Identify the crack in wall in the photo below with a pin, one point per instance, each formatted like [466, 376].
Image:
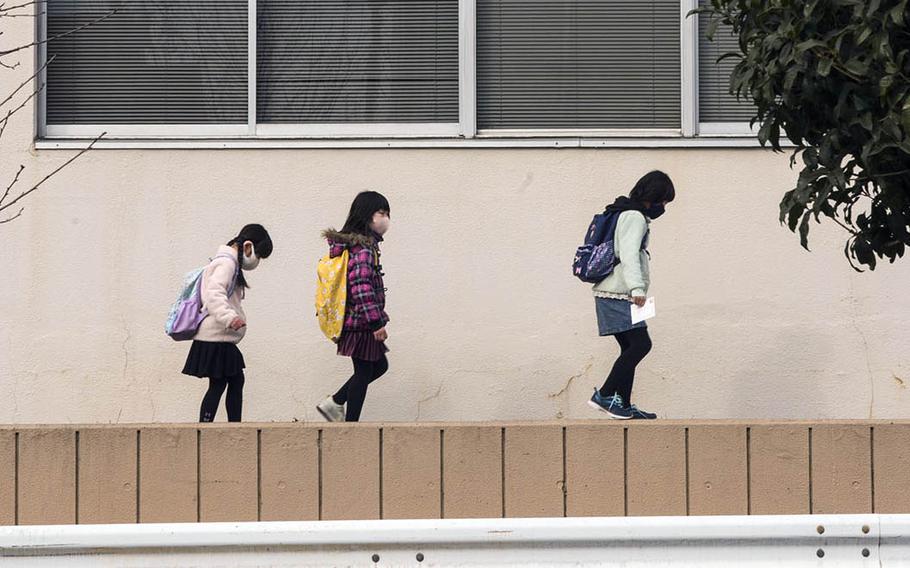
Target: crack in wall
[862, 336]
[428, 399]
[569, 382]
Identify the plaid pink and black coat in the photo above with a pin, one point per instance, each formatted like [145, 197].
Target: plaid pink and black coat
[365, 309]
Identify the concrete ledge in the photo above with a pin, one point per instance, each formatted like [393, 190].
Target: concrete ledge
[169, 473]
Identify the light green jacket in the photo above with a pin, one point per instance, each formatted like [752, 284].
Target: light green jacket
[632, 276]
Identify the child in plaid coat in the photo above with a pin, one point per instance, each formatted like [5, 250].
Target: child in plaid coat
[364, 333]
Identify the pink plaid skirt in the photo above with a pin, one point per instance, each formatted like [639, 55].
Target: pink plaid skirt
[361, 345]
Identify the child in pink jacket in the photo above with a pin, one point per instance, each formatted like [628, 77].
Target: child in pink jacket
[214, 352]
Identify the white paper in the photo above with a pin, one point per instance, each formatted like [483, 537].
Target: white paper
[643, 313]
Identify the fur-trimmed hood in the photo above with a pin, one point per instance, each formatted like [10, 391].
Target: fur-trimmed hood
[339, 241]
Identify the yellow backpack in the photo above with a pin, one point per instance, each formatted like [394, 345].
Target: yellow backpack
[331, 294]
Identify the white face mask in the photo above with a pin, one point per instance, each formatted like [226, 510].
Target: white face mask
[252, 261]
[380, 223]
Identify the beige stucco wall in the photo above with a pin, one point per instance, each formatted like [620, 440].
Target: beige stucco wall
[487, 321]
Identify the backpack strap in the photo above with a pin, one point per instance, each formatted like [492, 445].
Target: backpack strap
[236, 271]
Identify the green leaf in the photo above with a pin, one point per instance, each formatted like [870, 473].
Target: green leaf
[898, 12]
[863, 252]
[809, 44]
[807, 11]
[764, 132]
[848, 252]
[804, 230]
[824, 66]
[712, 28]
[905, 118]
[873, 8]
[810, 157]
[856, 67]
[793, 216]
[863, 36]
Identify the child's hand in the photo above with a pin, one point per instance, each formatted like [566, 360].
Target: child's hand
[237, 323]
[639, 300]
[381, 335]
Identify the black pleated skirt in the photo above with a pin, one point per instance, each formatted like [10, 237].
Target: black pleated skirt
[216, 360]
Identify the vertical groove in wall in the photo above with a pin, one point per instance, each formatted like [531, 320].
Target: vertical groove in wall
[748, 470]
[872, 465]
[502, 468]
[259, 474]
[565, 480]
[198, 475]
[319, 471]
[77, 477]
[625, 471]
[138, 478]
[380, 474]
[811, 497]
[686, 431]
[442, 474]
[16, 483]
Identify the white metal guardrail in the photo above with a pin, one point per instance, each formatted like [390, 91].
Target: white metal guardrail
[818, 540]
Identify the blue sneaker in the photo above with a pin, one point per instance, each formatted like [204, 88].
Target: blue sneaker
[612, 405]
[639, 414]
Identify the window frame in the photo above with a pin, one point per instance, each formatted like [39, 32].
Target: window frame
[443, 134]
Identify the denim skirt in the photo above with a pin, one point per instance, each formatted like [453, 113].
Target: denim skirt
[615, 316]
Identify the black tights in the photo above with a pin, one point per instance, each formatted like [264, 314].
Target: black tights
[354, 391]
[234, 402]
[634, 346]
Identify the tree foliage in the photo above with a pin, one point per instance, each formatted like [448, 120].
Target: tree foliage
[833, 77]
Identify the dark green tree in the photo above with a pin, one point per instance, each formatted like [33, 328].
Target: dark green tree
[832, 76]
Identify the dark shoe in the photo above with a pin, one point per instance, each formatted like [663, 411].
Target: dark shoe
[639, 414]
[611, 405]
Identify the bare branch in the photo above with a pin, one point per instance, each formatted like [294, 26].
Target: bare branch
[6, 52]
[5, 120]
[4, 8]
[14, 217]
[27, 81]
[10, 186]
[50, 175]
[10, 67]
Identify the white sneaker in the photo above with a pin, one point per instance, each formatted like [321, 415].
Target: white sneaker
[331, 410]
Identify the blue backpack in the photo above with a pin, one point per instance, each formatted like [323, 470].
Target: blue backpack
[595, 259]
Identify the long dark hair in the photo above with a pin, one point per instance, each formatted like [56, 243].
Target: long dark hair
[653, 187]
[361, 215]
[262, 243]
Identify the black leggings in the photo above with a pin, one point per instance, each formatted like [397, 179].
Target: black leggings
[354, 392]
[234, 402]
[634, 346]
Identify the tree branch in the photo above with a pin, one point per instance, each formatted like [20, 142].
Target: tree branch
[13, 218]
[26, 82]
[10, 113]
[50, 175]
[4, 8]
[6, 52]
[10, 186]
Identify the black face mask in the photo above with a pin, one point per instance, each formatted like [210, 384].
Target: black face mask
[654, 211]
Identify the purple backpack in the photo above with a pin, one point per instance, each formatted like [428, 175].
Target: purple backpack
[595, 259]
[187, 312]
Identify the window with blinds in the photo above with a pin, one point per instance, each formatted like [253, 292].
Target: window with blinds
[715, 103]
[151, 62]
[357, 61]
[578, 64]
